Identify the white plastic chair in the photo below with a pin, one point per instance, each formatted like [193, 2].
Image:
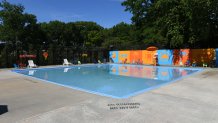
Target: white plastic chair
[79, 62]
[99, 62]
[31, 64]
[66, 62]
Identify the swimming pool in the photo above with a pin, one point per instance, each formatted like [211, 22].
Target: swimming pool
[112, 80]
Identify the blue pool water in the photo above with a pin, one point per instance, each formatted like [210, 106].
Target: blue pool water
[113, 80]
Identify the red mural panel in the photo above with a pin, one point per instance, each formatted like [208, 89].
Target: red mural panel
[181, 56]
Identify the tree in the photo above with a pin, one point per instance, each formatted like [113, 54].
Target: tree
[139, 9]
[91, 36]
[72, 35]
[121, 36]
[177, 23]
[15, 28]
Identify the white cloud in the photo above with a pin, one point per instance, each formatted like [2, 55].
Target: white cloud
[66, 17]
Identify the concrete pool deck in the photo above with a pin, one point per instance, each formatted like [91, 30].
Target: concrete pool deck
[190, 100]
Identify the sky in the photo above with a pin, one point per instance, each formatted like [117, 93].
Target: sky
[106, 13]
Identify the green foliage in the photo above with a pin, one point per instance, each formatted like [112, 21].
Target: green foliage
[121, 36]
[72, 35]
[17, 29]
[139, 10]
[153, 37]
[91, 36]
[14, 22]
[179, 23]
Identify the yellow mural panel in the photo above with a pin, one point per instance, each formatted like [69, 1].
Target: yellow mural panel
[124, 57]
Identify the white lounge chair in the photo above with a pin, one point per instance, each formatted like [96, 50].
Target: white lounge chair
[99, 62]
[31, 64]
[79, 62]
[66, 62]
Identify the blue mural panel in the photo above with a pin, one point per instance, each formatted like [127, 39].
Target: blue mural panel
[165, 57]
[113, 55]
[216, 57]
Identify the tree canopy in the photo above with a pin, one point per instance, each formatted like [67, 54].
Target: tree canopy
[176, 23]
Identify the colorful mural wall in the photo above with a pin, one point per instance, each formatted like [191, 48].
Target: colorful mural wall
[165, 57]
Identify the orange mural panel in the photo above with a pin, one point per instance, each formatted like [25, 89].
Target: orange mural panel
[136, 57]
[148, 56]
[201, 56]
[182, 55]
[124, 57]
